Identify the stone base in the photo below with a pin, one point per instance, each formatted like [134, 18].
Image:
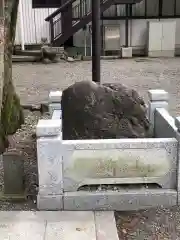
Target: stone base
[119, 201]
[108, 201]
[126, 52]
[168, 53]
[54, 106]
[50, 202]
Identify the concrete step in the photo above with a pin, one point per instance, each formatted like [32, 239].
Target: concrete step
[18, 58]
[57, 225]
[37, 53]
[33, 53]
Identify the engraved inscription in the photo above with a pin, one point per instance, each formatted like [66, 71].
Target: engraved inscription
[118, 163]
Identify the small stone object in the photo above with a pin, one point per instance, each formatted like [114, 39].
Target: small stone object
[108, 111]
[46, 61]
[13, 165]
[56, 59]
[48, 52]
[70, 59]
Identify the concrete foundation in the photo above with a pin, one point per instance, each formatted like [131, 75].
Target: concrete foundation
[158, 54]
[119, 201]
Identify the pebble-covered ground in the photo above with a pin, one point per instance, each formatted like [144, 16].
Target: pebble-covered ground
[33, 83]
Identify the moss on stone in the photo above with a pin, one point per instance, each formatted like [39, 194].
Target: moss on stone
[12, 114]
[11, 111]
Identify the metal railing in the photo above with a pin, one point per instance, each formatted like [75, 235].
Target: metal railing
[79, 12]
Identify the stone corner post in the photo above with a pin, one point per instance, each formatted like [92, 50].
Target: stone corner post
[49, 157]
[54, 101]
[158, 98]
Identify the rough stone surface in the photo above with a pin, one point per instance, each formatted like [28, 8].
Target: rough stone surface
[93, 111]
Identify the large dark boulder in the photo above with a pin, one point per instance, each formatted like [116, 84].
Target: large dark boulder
[92, 111]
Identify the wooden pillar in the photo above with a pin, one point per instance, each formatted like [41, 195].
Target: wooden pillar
[67, 23]
[96, 41]
[127, 26]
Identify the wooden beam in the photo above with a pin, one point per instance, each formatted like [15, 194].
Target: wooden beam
[96, 40]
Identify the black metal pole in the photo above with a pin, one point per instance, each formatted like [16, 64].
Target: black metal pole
[96, 41]
[127, 25]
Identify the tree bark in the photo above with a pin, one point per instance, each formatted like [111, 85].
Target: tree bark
[11, 114]
[2, 136]
[1, 51]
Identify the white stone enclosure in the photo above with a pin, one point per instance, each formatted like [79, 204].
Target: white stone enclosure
[65, 166]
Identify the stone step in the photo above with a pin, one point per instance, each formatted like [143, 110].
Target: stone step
[18, 58]
[56, 225]
[36, 53]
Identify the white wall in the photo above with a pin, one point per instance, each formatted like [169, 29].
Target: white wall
[35, 26]
[138, 33]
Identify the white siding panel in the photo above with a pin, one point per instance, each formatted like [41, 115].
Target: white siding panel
[29, 22]
[42, 27]
[35, 26]
[18, 31]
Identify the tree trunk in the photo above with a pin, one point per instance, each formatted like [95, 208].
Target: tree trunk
[2, 137]
[11, 114]
[1, 50]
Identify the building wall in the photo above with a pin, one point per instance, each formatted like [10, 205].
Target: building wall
[35, 26]
[138, 34]
[138, 28]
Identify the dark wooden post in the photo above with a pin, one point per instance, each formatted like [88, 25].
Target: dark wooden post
[127, 26]
[67, 21]
[52, 30]
[81, 9]
[1, 51]
[96, 41]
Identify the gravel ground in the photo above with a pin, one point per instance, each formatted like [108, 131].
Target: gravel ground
[33, 83]
[155, 224]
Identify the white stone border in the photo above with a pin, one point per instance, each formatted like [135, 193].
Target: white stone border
[49, 155]
[54, 101]
[50, 158]
[158, 98]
